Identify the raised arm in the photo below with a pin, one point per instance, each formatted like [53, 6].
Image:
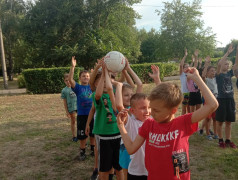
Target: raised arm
[119, 100]
[109, 86]
[222, 60]
[131, 146]
[196, 52]
[134, 76]
[94, 73]
[235, 67]
[100, 87]
[182, 61]
[71, 72]
[192, 62]
[128, 78]
[207, 63]
[200, 63]
[156, 74]
[211, 102]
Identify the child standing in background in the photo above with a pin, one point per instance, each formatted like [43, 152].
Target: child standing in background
[84, 103]
[70, 104]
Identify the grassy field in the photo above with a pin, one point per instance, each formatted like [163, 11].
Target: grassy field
[35, 143]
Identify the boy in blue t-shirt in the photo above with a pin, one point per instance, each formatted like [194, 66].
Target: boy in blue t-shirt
[70, 104]
[84, 103]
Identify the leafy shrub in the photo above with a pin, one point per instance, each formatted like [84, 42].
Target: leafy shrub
[142, 70]
[47, 80]
[21, 81]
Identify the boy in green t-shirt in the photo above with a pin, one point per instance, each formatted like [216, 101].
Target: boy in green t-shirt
[70, 104]
[106, 132]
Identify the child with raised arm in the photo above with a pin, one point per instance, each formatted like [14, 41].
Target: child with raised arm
[226, 111]
[167, 149]
[208, 74]
[70, 104]
[183, 80]
[84, 103]
[105, 127]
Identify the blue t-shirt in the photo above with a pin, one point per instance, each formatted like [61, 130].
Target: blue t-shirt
[224, 85]
[84, 98]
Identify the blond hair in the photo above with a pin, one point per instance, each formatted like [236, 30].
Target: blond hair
[136, 97]
[169, 93]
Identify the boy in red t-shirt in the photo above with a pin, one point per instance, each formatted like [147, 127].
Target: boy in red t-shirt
[166, 150]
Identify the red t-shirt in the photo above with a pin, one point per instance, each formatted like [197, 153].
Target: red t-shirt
[162, 141]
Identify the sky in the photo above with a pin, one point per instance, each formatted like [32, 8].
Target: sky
[220, 15]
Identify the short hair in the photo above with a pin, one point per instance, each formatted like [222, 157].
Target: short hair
[169, 93]
[83, 71]
[66, 75]
[210, 67]
[185, 64]
[136, 97]
[127, 86]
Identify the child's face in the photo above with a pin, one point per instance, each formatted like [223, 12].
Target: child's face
[225, 66]
[84, 78]
[67, 83]
[126, 96]
[141, 110]
[211, 73]
[185, 68]
[160, 113]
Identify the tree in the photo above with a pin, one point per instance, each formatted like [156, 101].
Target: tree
[182, 27]
[11, 13]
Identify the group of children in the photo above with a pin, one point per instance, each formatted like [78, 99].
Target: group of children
[139, 137]
[219, 82]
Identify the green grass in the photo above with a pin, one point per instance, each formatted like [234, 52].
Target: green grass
[35, 143]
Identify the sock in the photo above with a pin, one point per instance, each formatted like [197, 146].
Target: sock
[92, 148]
[227, 141]
[111, 176]
[220, 140]
[82, 151]
[95, 170]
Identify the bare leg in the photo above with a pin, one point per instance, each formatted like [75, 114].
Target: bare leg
[119, 174]
[228, 130]
[73, 122]
[219, 129]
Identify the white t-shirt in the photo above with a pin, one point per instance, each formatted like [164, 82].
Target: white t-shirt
[183, 79]
[212, 85]
[137, 164]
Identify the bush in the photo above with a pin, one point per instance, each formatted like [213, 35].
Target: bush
[166, 69]
[47, 80]
[21, 81]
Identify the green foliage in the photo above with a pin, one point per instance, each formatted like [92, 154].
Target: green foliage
[21, 81]
[234, 42]
[47, 80]
[142, 70]
[182, 27]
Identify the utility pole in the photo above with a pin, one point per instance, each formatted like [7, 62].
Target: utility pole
[4, 69]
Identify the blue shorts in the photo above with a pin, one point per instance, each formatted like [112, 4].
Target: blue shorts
[124, 157]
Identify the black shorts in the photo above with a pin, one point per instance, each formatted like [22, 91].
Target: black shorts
[81, 125]
[108, 152]
[226, 110]
[195, 98]
[134, 177]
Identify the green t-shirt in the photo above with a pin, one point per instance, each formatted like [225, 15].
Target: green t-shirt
[70, 97]
[105, 122]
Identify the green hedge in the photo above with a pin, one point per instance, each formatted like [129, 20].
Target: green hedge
[21, 81]
[47, 80]
[166, 69]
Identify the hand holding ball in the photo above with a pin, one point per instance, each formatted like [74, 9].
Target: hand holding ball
[115, 61]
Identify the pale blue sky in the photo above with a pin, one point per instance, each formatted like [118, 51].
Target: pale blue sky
[220, 15]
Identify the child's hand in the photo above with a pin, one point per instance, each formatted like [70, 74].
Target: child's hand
[87, 130]
[186, 52]
[156, 72]
[98, 64]
[193, 58]
[127, 66]
[73, 61]
[121, 117]
[192, 73]
[200, 60]
[196, 52]
[230, 49]
[207, 60]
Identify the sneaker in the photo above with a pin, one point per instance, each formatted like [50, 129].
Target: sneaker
[74, 139]
[211, 132]
[200, 132]
[82, 157]
[94, 175]
[209, 137]
[215, 137]
[221, 144]
[230, 144]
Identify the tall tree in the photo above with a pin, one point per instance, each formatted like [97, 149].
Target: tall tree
[11, 14]
[182, 27]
